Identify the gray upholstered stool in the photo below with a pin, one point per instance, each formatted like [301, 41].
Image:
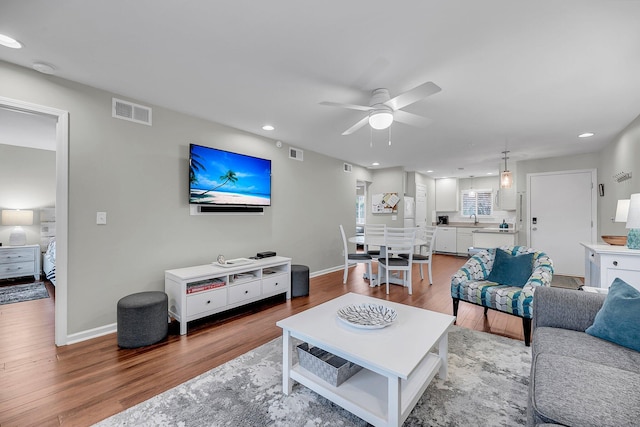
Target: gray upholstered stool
[299, 280]
[142, 319]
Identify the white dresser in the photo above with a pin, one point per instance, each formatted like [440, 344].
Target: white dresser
[20, 261]
[604, 263]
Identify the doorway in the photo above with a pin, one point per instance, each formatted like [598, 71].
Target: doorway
[562, 213]
[62, 202]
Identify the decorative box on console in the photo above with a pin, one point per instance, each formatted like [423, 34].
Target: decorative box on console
[333, 369]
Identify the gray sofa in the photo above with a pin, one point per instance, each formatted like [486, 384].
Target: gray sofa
[577, 379]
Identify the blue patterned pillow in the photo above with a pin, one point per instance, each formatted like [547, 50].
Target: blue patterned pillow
[618, 320]
[511, 270]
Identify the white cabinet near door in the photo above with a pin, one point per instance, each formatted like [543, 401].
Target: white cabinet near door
[446, 240]
[605, 263]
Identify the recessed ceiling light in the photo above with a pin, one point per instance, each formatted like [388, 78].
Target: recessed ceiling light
[375, 164]
[267, 127]
[9, 42]
[429, 171]
[586, 135]
[489, 173]
[44, 68]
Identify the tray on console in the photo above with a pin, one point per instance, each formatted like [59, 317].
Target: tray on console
[234, 262]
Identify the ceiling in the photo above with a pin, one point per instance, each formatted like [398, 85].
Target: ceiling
[526, 75]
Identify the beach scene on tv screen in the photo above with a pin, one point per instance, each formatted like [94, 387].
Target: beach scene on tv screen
[224, 178]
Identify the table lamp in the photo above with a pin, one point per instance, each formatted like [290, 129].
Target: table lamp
[17, 218]
[633, 222]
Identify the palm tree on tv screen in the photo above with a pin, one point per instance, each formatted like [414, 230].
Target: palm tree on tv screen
[230, 176]
[194, 166]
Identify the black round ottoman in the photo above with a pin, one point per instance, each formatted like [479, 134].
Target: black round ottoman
[142, 319]
[299, 280]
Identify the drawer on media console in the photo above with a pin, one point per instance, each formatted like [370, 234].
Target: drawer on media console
[244, 291]
[274, 283]
[17, 268]
[201, 302]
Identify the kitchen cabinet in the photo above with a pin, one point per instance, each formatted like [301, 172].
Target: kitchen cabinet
[447, 194]
[605, 263]
[446, 240]
[464, 239]
[493, 238]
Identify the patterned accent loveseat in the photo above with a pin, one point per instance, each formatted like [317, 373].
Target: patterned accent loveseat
[470, 284]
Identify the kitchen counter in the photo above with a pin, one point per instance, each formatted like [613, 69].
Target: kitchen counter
[468, 225]
[495, 230]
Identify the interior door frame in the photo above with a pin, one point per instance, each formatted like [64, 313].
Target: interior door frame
[594, 200]
[62, 206]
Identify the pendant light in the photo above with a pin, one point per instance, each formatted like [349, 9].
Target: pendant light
[506, 177]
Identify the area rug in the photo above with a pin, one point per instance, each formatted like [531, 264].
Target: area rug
[567, 282]
[487, 385]
[20, 293]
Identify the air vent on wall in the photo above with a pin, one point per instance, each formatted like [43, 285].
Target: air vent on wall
[296, 153]
[347, 167]
[129, 111]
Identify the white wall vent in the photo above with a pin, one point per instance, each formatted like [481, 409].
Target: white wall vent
[296, 154]
[129, 111]
[347, 168]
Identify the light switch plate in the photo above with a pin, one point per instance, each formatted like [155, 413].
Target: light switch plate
[101, 218]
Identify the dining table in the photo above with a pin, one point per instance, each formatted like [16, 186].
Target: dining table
[379, 241]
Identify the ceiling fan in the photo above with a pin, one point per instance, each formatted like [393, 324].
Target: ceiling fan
[383, 109]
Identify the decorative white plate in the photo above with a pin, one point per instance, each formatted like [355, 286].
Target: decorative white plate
[367, 316]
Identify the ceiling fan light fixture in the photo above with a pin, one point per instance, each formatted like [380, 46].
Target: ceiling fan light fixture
[380, 119]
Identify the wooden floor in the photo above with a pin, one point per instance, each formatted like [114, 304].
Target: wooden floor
[80, 384]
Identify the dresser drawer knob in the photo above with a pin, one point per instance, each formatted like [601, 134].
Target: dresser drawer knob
[615, 262]
[246, 292]
[208, 301]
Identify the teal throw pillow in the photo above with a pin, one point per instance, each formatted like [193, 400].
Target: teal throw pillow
[511, 270]
[618, 320]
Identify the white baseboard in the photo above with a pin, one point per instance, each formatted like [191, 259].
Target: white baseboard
[326, 271]
[109, 329]
[91, 333]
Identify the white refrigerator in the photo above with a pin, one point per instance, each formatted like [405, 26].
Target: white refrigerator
[409, 212]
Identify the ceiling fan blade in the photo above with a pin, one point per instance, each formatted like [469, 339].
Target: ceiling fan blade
[349, 106]
[413, 95]
[357, 126]
[411, 119]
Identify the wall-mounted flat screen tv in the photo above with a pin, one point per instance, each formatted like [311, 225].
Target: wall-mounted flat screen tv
[218, 177]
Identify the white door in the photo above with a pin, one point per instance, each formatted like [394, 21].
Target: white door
[562, 214]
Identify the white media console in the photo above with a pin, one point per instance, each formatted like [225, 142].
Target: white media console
[203, 290]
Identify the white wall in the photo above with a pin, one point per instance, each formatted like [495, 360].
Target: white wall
[621, 155]
[139, 176]
[389, 180]
[28, 181]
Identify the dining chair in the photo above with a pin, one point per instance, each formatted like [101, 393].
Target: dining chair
[373, 230]
[424, 255]
[359, 258]
[397, 242]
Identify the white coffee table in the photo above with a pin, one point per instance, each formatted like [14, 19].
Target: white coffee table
[399, 360]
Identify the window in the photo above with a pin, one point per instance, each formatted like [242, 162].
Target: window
[479, 202]
[360, 219]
